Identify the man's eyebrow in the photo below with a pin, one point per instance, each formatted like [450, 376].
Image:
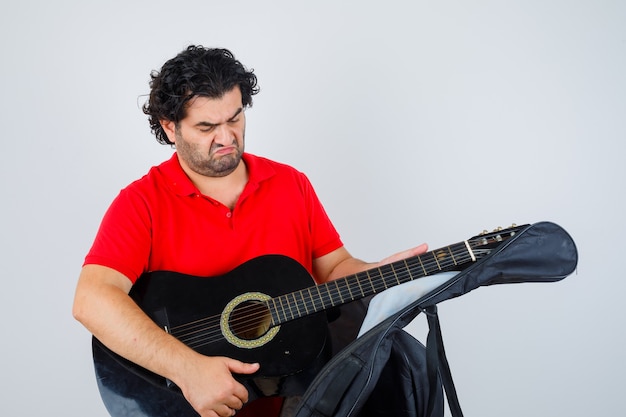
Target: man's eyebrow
[209, 124]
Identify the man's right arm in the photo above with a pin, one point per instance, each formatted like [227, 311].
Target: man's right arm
[103, 306]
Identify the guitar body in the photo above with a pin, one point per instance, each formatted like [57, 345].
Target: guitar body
[206, 314]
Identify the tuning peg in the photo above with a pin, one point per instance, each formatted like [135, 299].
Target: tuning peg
[497, 229]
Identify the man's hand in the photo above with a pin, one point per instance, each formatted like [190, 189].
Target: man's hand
[418, 250]
[209, 386]
[102, 304]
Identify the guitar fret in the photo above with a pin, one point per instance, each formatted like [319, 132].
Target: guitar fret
[360, 287]
[320, 298]
[289, 306]
[283, 308]
[376, 279]
[338, 290]
[370, 281]
[462, 254]
[383, 279]
[331, 299]
[452, 255]
[350, 291]
[324, 302]
[408, 270]
[389, 282]
[295, 302]
[436, 260]
[274, 313]
[389, 276]
[395, 274]
[419, 258]
[310, 297]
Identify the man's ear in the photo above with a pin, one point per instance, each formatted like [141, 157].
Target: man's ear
[169, 127]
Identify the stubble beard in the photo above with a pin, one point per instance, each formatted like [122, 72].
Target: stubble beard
[208, 165]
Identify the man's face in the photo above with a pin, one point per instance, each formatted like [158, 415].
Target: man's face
[210, 139]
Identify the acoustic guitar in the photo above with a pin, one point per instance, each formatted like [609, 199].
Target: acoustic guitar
[267, 310]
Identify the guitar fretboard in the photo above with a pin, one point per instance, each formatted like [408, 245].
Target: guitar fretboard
[318, 298]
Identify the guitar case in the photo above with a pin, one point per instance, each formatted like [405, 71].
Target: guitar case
[386, 372]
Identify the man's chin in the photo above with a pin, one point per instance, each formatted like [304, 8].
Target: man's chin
[224, 166]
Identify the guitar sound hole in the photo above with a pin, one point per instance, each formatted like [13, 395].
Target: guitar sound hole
[250, 320]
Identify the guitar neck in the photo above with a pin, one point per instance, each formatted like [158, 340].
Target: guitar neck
[321, 297]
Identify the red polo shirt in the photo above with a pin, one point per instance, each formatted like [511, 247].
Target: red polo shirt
[162, 222]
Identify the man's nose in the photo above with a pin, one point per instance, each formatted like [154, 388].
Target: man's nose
[223, 135]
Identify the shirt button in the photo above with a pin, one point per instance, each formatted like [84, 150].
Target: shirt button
[229, 214]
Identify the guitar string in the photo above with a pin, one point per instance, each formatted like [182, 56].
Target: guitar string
[207, 337]
[328, 293]
[259, 308]
[344, 293]
[382, 278]
[198, 333]
[251, 313]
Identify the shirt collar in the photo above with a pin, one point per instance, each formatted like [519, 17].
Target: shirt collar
[259, 169]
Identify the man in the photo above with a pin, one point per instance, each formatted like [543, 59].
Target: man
[208, 209]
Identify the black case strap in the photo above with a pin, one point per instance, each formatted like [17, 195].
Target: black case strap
[437, 363]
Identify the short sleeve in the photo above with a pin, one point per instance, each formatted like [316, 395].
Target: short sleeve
[123, 240]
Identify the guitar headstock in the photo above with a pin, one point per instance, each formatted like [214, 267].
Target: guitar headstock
[486, 241]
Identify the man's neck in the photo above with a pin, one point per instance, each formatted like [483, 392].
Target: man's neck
[225, 189]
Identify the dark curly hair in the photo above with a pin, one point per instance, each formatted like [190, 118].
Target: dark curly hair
[196, 71]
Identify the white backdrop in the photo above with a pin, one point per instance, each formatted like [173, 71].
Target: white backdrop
[415, 120]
